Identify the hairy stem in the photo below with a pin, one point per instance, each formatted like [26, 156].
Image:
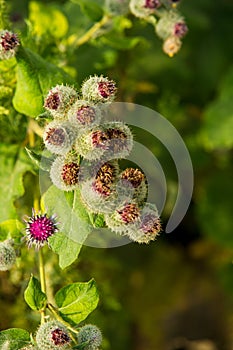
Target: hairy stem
[90, 33]
[34, 127]
[42, 280]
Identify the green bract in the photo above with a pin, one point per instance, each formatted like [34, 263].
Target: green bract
[99, 89]
[64, 173]
[59, 137]
[59, 99]
[53, 335]
[7, 255]
[14, 339]
[84, 114]
[91, 336]
[166, 24]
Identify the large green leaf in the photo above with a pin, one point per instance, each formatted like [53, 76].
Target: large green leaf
[35, 77]
[214, 208]
[14, 164]
[74, 223]
[47, 19]
[77, 300]
[34, 296]
[14, 339]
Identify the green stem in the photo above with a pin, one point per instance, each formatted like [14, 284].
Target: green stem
[42, 281]
[90, 33]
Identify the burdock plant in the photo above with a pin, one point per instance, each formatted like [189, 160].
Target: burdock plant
[78, 154]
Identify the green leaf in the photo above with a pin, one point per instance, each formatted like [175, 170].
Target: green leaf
[61, 244]
[77, 300]
[14, 339]
[44, 116]
[36, 158]
[47, 19]
[97, 220]
[74, 223]
[14, 164]
[11, 229]
[35, 77]
[91, 9]
[214, 208]
[34, 296]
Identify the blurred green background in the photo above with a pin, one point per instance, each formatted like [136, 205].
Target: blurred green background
[178, 291]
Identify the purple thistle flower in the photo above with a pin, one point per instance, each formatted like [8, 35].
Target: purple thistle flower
[133, 176]
[180, 29]
[52, 101]
[99, 138]
[86, 115]
[59, 337]
[106, 173]
[59, 100]
[119, 139]
[70, 173]
[59, 137]
[39, 228]
[55, 136]
[99, 89]
[104, 179]
[129, 213]
[9, 43]
[101, 188]
[53, 335]
[107, 88]
[150, 223]
[152, 4]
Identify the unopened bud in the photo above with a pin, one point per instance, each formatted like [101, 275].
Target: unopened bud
[172, 45]
[53, 335]
[7, 255]
[84, 114]
[64, 173]
[59, 137]
[144, 8]
[99, 89]
[90, 336]
[167, 23]
[59, 99]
